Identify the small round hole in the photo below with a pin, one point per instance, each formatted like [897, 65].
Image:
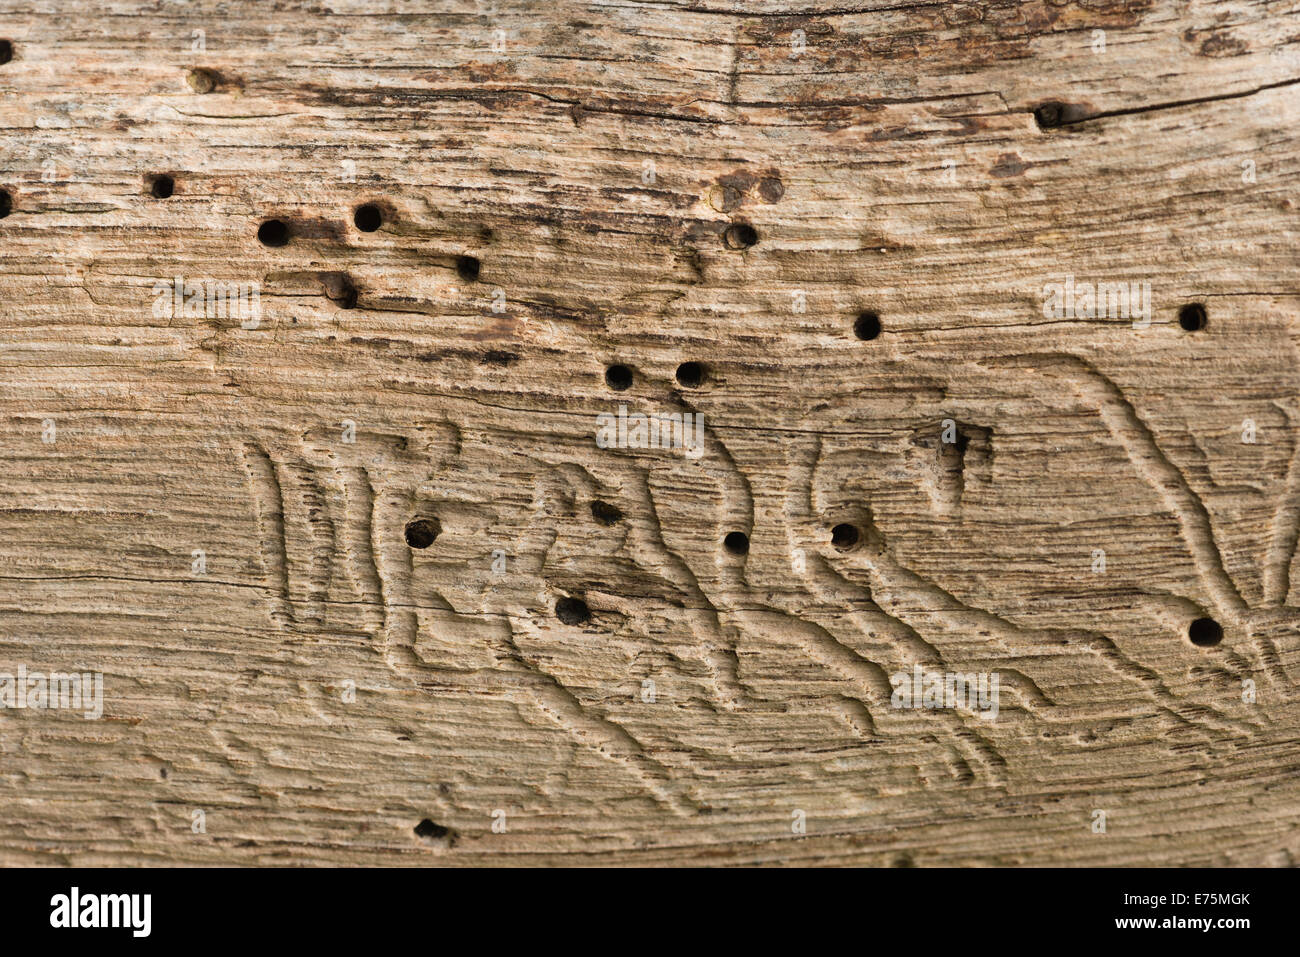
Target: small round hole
[273, 232]
[741, 235]
[618, 377]
[368, 218]
[1192, 317]
[572, 611]
[737, 543]
[421, 532]
[428, 829]
[691, 374]
[845, 536]
[201, 81]
[6, 203]
[1049, 115]
[1205, 632]
[867, 326]
[6, 51]
[605, 513]
[467, 268]
[162, 186]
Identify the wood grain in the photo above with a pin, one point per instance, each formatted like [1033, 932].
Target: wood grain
[597, 159]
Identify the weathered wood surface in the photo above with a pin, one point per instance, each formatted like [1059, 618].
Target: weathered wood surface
[892, 163]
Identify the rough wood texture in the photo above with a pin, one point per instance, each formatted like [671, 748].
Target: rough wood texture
[891, 162]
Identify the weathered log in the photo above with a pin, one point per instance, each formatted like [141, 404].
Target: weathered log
[365, 582]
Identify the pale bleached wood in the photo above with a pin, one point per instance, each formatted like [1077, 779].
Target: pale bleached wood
[225, 691]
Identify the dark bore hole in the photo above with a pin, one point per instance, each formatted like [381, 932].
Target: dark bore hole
[162, 186]
[737, 543]
[340, 290]
[273, 232]
[867, 326]
[691, 374]
[6, 203]
[427, 828]
[572, 611]
[467, 268]
[421, 532]
[741, 235]
[368, 218]
[1192, 317]
[6, 51]
[618, 378]
[201, 81]
[605, 513]
[1049, 115]
[1205, 632]
[845, 536]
